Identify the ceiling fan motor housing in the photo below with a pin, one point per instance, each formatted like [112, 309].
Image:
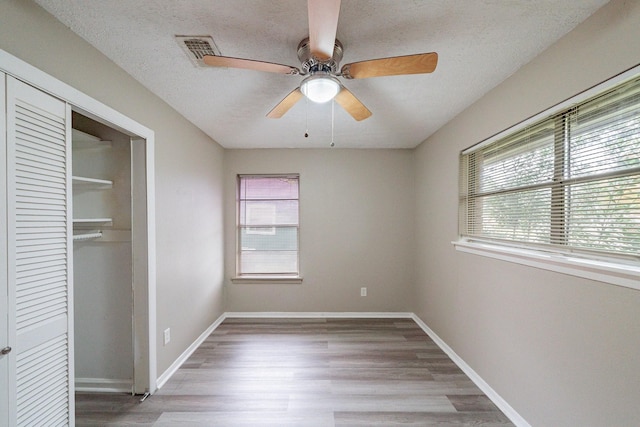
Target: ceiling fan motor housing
[312, 65]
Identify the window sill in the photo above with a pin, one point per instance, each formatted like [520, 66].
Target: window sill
[280, 280]
[616, 272]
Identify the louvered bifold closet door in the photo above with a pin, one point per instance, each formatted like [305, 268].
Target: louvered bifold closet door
[39, 256]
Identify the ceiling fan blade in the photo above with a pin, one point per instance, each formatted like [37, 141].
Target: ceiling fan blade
[323, 24]
[393, 66]
[249, 64]
[352, 105]
[284, 105]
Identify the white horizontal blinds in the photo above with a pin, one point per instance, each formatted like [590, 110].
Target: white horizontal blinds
[268, 224]
[571, 180]
[510, 186]
[603, 172]
[38, 183]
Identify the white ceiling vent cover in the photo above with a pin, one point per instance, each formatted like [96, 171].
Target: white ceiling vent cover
[196, 47]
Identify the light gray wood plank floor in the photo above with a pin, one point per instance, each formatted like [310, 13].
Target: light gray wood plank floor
[306, 372]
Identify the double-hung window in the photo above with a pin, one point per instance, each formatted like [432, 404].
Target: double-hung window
[268, 226]
[569, 182]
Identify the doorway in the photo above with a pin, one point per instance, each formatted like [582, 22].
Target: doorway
[110, 258]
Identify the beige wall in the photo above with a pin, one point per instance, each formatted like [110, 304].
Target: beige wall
[356, 220]
[188, 171]
[563, 351]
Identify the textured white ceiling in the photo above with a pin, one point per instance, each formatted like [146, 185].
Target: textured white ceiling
[479, 42]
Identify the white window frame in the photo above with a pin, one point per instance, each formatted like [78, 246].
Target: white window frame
[612, 270]
[248, 278]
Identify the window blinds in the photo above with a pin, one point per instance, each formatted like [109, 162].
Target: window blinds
[268, 225]
[571, 180]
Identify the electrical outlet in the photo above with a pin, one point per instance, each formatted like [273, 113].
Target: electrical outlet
[363, 292]
[167, 336]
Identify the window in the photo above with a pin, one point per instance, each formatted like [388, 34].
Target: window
[569, 182]
[268, 226]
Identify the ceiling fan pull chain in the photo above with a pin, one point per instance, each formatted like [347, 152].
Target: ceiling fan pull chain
[333, 103]
[306, 117]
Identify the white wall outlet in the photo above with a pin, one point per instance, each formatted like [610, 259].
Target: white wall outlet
[167, 336]
[363, 292]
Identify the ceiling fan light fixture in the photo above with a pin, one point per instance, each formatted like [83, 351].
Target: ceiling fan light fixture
[320, 88]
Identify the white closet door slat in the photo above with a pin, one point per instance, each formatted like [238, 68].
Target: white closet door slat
[36, 226]
[26, 253]
[34, 169]
[44, 288]
[37, 114]
[28, 214]
[39, 191]
[33, 151]
[26, 277]
[35, 207]
[35, 305]
[36, 149]
[54, 299]
[32, 269]
[37, 146]
[45, 280]
[25, 262]
[55, 168]
[34, 356]
[26, 202]
[29, 150]
[30, 125]
[35, 139]
[34, 119]
[30, 178]
[41, 250]
[45, 310]
[26, 249]
[36, 242]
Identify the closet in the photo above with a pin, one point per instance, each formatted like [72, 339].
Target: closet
[102, 256]
[77, 277]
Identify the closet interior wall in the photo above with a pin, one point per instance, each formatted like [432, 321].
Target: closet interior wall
[103, 300]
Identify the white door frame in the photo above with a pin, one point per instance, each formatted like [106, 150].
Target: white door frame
[144, 314]
[4, 282]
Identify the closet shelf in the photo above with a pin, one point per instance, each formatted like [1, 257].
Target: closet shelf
[81, 140]
[90, 221]
[81, 180]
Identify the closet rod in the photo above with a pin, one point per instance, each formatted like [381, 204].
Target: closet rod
[87, 236]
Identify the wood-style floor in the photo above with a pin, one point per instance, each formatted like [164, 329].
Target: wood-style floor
[306, 372]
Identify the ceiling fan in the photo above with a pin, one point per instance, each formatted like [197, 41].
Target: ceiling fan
[320, 55]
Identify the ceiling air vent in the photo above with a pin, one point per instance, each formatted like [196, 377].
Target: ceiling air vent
[196, 47]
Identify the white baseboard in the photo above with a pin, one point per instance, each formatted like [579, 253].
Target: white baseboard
[164, 377]
[319, 314]
[473, 375]
[103, 385]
